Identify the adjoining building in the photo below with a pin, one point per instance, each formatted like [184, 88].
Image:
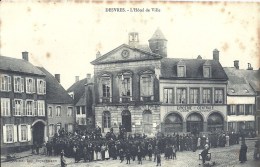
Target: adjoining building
[23, 104]
[60, 107]
[193, 95]
[82, 93]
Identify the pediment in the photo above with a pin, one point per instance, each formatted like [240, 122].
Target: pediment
[125, 53]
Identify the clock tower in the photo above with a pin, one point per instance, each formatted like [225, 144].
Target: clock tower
[133, 39]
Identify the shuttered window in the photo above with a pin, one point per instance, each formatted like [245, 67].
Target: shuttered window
[23, 133]
[30, 85]
[41, 108]
[5, 107]
[5, 83]
[9, 133]
[18, 84]
[41, 86]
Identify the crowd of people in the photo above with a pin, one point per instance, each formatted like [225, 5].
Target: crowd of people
[92, 146]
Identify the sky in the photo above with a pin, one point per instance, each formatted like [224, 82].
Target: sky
[64, 36]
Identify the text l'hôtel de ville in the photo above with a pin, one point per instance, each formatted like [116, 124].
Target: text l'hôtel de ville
[121, 10]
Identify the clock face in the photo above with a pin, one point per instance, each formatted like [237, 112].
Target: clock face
[125, 53]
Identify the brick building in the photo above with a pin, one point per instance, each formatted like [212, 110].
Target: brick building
[23, 103]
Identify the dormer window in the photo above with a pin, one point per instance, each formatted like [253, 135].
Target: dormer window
[125, 86]
[105, 85]
[181, 69]
[207, 70]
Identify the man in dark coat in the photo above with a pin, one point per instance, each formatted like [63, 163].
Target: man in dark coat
[204, 154]
[242, 152]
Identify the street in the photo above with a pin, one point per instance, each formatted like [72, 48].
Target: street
[227, 156]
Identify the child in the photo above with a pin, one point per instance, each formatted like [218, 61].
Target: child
[128, 156]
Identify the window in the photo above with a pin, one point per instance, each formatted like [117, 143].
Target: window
[181, 71]
[146, 86]
[206, 71]
[58, 111]
[194, 96]
[18, 84]
[106, 119]
[5, 83]
[181, 96]
[51, 130]
[105, 88]
[206, 96]
[23, 132]
[30, 85]
[50, 114]
[5, 107]
[18, 107]
[41, 86]
[58, 127]
[125, 84]
[167, 94]
[83, 110]
[71, 94]
[69, 111]
[9, 133]
[70, 128]
[29, 107]
[231, 109]
[41, 108]
[219, 96]
[240, 109]
[78, 110]
[249, 125]
[249, 109]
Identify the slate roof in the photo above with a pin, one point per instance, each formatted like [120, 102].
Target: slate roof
[79, 88]
[18, 65]
[253, 77]
[55, 93]
[157, 35]
[194, 69]
[141, 48]
[237, 83]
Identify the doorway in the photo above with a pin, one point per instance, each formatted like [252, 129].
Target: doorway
[195, 123]
[38, 132]
[126, 120]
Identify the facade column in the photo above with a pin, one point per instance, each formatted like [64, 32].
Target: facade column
[205, 126]
[184, 126]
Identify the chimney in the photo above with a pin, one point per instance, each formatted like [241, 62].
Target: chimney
[236, 64]
[88, 76]
[76, 78]
[133, 39]
[25, 56]
[249, 67]
[98, 54]
[57, 76]
[216, 55]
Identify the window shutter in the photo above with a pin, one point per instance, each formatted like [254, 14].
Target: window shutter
[15, 84]
[24, 108]
[13, 106]
[141, 86]
[152, 88]
[44, 87]
[19, 133]
[22, 85]
[15, 133]
[9, 83]
[4, 134]
[35, 108]
[29, 132]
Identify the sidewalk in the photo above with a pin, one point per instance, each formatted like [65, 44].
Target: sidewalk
[17, 155]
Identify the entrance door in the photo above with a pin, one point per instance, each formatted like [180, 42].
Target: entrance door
[195, 123]
[126, 120]
[38, 133]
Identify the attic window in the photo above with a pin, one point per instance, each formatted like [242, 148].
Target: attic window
[207, 71]
[181, 69]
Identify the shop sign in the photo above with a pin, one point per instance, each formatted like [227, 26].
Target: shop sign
[195, 108]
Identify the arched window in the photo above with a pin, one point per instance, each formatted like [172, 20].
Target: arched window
[173, 123]
[215, 122]
[106, 119]
[194, 123]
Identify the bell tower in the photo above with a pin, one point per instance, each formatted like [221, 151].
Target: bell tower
[133, 39]
[158, 43]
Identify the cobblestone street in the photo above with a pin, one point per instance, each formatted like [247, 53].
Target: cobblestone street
[227, 156]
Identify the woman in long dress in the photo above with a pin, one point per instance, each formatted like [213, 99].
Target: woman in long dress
[242, 152]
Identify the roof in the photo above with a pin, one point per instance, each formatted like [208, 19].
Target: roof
[237, 83]
[147, 54]
[253, 77]
[194, 69]
[55, 93]
[18, 65]
[157, 35]
[79, 88]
